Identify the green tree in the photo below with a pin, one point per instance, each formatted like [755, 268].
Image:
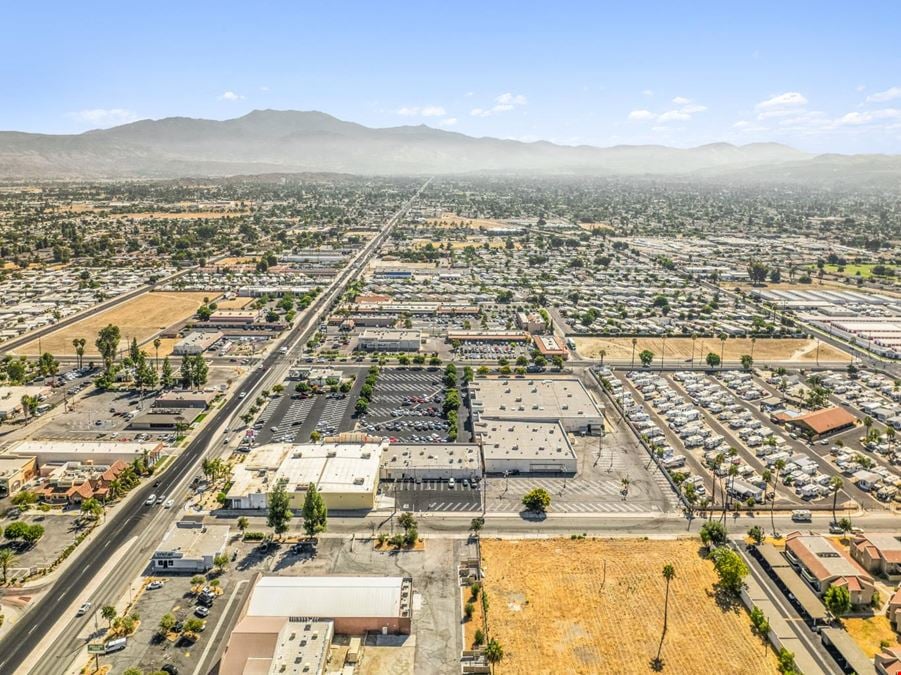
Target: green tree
[47, 365]
[167, 623]
[669, 573]
[107, 344]
[243, 524]
[646, 356]
[713, 360]
[747, 361]
[167, 375]
[713, 534]
[730, 568]
[279, 515]
[7, 557]
[494, 653]
[837, 600]
[756, 534]
[315, 514]
[220, 562]
[476, 525]
[537, 500]
[109, 613]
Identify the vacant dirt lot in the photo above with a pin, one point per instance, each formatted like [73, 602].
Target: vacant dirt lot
[800, 350]
[453, 220]
[553, 611]
[142, 318]
[234, 303]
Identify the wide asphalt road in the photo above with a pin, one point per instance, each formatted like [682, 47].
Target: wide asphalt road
[128, 518]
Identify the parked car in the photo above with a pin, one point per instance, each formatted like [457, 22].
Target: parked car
[154, 585]
[202, 611]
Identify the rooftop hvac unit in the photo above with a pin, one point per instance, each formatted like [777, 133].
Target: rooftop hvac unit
[565, 407]
[331, 453]
[359, 481]
[367, 455]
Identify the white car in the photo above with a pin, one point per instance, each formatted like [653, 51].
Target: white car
[83, 609]
[243, 394]
[168, 503]
[161, 499]
[151, 500]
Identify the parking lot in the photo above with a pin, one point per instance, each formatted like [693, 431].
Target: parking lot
[60, 530]
[406, 407]
[433, 495]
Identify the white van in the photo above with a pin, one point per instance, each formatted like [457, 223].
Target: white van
[116, 645]
[801, 516]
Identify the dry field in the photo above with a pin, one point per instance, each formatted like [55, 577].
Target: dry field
[452, 219]
[232, 261]
[553, 612]
[800, 350]
[596, 226]
[141, 317]
[493, 242]
[234, 303]
[181, 215]
[868, 633]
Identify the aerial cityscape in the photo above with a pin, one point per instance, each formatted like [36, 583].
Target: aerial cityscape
[320, 355]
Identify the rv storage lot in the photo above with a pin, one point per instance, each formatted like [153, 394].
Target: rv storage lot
[589, 626]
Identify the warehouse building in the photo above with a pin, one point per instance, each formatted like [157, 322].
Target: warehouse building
[88, 452]
[190, 548]
[552, 399]
[277, 644]
[431, 461]
[525, 447]
[376, 340]
[357, 605]
[196, 342]
[345, 473]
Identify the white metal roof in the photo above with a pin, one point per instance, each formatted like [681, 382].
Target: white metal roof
[328, 597]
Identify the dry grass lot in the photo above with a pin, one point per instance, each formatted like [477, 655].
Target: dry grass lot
[493, 242]
[552, 611]
[868, 633]
[141, 317]
[234, 303]
[801, 350]
[453, 220]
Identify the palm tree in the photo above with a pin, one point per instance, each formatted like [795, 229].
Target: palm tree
[634, 342]
[602, 354]
[156, 345]
[6, 560]
[835, 484]
[669, 573]
[694, 336]
[494, 653]
[753, 342]
[723, 337]
[109, 613]
[779, 466]
[717, 462]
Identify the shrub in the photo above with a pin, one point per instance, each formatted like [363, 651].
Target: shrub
[474, 589]
[468, 609]
[479, 638]
[254, 536]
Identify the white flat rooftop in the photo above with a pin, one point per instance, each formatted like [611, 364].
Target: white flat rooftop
[327, 597]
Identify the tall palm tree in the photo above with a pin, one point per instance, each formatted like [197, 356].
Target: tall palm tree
[717, 462]
[835, 484]
[722, 347]
[156, 345]
[494, 653]
[669, 573]
[753, 342]
[634, 342]
[694, 336]
[6, 560]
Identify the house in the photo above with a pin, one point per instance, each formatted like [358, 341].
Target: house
[821, 564]
[894, 611]
[878, 553]
[71, 483]
[888, 661]
[820, 422]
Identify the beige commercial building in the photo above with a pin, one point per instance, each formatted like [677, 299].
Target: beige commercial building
[345, 473]
[547, 399]
[196, 342]
[432, 461]
[88, 452]
[514, 447]
[15, 472]
[390, 340]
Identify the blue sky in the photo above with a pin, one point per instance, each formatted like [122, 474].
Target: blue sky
[821, 76]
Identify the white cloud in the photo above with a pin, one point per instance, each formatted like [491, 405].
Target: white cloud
[674, 116]
[681, 114]
[647, 92]
[103, 117]
[230, 96]
[448, 122]
[889, 94]
[423, 111]
[641, 115]
[264, 88]
[859, 118]
[790, 99]
[502, 103]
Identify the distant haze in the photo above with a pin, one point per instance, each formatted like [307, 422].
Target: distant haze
[269, 141]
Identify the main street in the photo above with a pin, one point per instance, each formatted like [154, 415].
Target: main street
[132, 518]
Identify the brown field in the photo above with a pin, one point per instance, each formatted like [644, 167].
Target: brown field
[234, 303]
[800, 350]
[182, 215]
[493, 242]
[141, 318]
[228, 262]
[553, 612]
[596, 226]
[445, 220]
[869, 632]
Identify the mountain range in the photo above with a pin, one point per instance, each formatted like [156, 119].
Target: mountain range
[273, 141]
